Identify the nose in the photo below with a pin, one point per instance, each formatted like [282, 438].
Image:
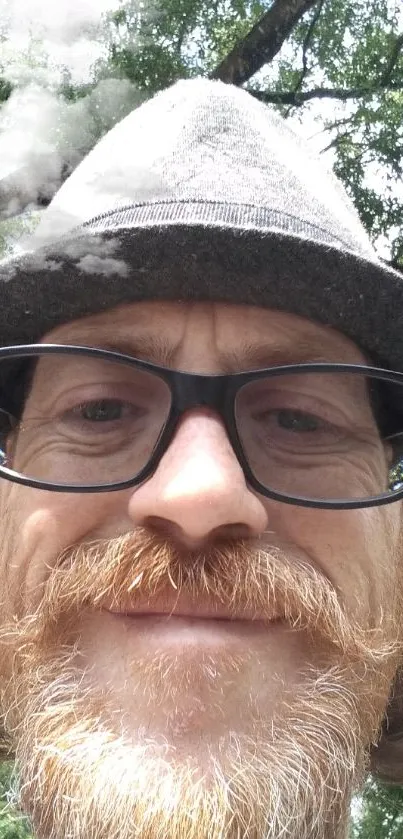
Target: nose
[198, 492]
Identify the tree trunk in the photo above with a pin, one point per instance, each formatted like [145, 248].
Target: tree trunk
[262, 43]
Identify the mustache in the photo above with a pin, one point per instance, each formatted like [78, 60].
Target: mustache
[245, 578]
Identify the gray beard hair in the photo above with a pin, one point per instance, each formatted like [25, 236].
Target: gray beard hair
[292, 777]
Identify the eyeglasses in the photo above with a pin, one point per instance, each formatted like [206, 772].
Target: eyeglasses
[79, 419]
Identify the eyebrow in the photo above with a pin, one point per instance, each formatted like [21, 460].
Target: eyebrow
[246, 356]
[301, 351]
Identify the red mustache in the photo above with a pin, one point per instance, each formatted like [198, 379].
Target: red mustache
[141, 570]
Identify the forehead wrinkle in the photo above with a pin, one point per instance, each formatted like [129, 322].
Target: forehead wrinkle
[160, 350]
[243, 355]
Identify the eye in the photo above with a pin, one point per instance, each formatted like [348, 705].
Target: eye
[298, 421]
[294, 427]
[102, 410]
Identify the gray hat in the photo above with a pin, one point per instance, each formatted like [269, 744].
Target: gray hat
[203, 193]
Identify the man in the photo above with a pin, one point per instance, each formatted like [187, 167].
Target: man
[201, 579]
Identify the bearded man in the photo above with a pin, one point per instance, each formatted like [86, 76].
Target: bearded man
[201, 483]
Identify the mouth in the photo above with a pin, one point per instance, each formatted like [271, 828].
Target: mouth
[195, 618]
[193, 611]
[171, 616]
[182, 630]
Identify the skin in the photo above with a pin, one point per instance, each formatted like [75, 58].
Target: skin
[198, 494]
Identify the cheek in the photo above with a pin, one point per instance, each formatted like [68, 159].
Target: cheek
[38, 526]
[357, 550]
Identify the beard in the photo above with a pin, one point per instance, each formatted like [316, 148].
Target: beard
[290, 773]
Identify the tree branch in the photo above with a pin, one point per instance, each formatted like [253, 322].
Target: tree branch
[306, 44]
[385, 78]
[305, 47]
[332, 126]
[339, 123]
[289, 97]
[335, 142]
[181, 37]
[295, 97]
[262, 43]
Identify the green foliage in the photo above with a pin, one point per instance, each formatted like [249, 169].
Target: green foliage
[153, 45]
[5, 89]
[351, 41]
[351, 47]
[12, 826]
[381, 815]
[151, 68]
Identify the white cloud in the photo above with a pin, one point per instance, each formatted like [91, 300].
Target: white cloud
[101, 265]
[69, 32]
[41, 134]
[63, 22]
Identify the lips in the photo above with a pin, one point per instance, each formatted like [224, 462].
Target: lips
[201, 616]
[186, 609]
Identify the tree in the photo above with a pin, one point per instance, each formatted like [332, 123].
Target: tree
[299, 55]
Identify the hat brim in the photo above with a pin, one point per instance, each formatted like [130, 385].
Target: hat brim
[96, 270]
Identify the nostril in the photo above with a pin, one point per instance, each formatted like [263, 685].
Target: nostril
[161, 526]
[172, 531]
[236, 531]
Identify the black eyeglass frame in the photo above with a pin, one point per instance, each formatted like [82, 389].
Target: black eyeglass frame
[196, 390]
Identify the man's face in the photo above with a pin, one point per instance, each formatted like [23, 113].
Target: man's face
[182, 725]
